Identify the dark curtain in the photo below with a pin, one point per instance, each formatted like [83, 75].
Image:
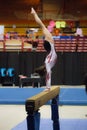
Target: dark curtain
[69, 69]
[3, 59]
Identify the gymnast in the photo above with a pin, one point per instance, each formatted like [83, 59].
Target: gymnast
[51, 57]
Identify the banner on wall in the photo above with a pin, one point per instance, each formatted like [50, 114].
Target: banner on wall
[1, 32]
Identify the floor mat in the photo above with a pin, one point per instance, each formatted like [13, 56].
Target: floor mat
[65, 124]
[67, 96]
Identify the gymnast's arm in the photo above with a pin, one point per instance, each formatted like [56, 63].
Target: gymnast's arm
[47, 34]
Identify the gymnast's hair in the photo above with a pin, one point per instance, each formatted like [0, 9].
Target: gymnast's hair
[47, 46]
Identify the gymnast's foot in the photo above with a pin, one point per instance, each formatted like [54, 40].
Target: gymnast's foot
[47, 90]
[32, 11]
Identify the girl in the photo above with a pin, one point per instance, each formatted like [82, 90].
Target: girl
[49, 47]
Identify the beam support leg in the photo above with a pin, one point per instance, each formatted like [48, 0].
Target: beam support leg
[33, 121]
[55, 113]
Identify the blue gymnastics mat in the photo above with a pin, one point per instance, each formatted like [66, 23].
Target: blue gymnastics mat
[65, 124]
[67, 96]
[73, 96]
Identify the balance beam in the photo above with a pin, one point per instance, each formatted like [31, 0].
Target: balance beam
[35, 102]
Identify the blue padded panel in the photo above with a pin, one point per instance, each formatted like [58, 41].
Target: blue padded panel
[3, 72]
[10, 72]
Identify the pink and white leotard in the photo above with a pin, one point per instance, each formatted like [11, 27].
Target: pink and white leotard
[49, 63]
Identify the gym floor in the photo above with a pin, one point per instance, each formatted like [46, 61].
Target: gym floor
[12, 115]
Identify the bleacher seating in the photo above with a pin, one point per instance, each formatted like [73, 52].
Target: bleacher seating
[15, 45]
[63, 44]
